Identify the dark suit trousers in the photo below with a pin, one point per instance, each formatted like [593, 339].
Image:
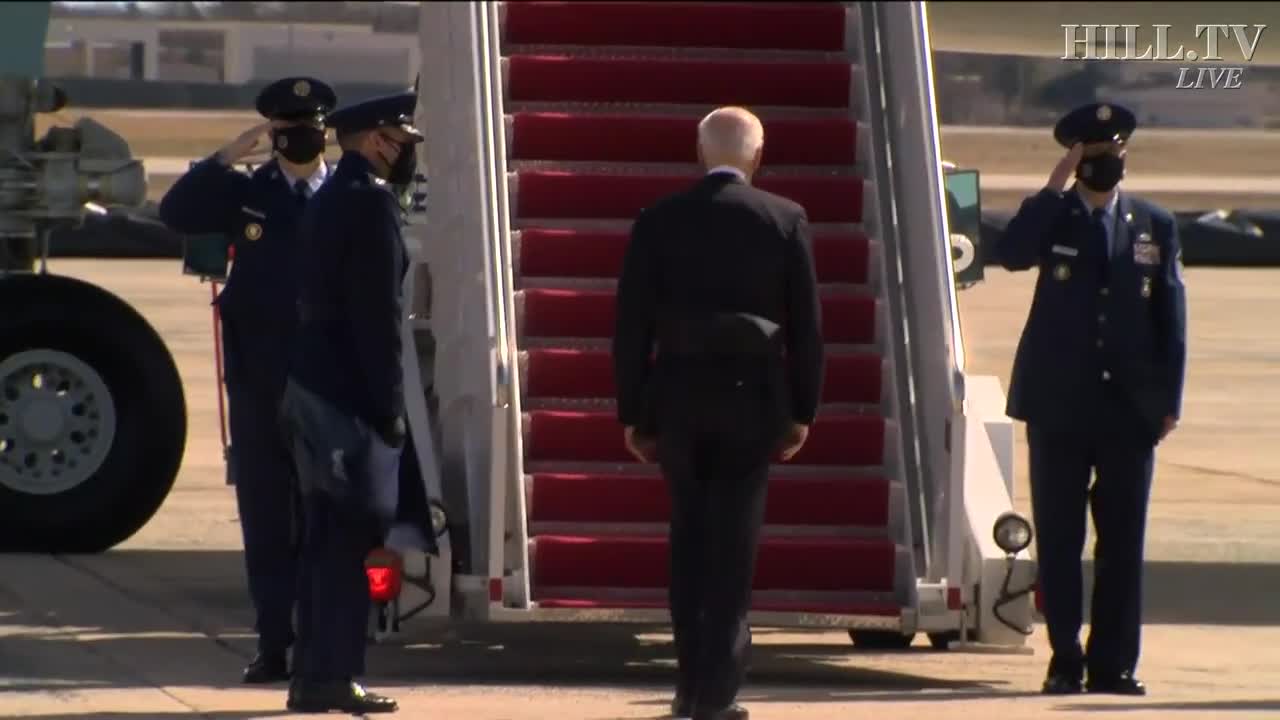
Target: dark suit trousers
[1060, 465]
[714, 447]
[263, 469]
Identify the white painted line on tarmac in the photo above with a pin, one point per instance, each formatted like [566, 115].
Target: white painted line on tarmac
[1200, 184]
[1170, 133]
[1029, 182]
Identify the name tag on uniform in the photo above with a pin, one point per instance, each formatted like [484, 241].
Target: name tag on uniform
[1146, 253]
[1064, 250]
[255, 213]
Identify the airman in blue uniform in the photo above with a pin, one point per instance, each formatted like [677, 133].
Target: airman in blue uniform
[1098, 379]
[259, 214]
[344, 400]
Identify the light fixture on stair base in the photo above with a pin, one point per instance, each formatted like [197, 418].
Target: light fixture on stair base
[1012, 532]
[1013, 535]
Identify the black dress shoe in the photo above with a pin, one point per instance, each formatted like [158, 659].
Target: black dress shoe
[1123, 684]
[682, 705]
[1058, 683]
[733, 712]
[266, 668]
[308, 697]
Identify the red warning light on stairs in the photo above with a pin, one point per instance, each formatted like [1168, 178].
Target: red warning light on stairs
[383, 569]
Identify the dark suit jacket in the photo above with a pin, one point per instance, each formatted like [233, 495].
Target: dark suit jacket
[720, 247]
[1097, 321]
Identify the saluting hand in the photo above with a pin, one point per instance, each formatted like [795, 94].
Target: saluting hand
[245, 144]
[1065, 169]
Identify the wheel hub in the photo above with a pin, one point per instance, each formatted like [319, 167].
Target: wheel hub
[57, 422]
[42, 420]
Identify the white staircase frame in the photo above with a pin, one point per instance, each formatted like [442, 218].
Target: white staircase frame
[467, 246]
[960, 454]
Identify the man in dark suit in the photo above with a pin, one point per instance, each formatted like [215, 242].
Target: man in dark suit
[1098, 379]
[259, 214]
[721, 277]
[344, 401]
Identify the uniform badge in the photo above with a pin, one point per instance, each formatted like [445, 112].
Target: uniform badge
[1062, 272]
[302, 88]
[282, 142]
[252, 231]
[1146, 287]
[1104, 113]
[1146, 252]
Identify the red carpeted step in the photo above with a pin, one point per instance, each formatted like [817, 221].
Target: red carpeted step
[598, 196]
[557, 373]
[780, 606]
[561, 78]
[672, 139]
[747, 26]
[846, 317]
[584, 498]
[796, 564]
[549, 252]
[570, 436]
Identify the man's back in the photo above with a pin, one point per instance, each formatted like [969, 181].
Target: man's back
[721, 247]
[725, 246]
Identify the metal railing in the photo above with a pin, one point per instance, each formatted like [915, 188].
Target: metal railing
[508, 500]
[933, 343]
[897, 298]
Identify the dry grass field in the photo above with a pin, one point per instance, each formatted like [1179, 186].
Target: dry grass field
[160, 133]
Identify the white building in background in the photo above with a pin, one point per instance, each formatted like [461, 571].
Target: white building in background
[233, 43]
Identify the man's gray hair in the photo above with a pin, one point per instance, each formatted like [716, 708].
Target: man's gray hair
[730, 135]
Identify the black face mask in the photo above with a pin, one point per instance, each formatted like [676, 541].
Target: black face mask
[299, 144]
[1101, 172]
[405, 165]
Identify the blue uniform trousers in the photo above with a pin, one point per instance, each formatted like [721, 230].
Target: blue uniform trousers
[265, 498]
[333, 608]
[1121, 453]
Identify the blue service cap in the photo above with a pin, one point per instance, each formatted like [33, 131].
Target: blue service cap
[296, 98]
[386, 111]
[1096, 122]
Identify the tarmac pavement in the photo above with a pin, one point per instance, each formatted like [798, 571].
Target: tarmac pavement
[160, 628]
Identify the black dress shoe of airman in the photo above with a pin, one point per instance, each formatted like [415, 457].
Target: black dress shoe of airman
[733, 712]
[266, 668]
[348, 697]
[1060, 683]
[1123, 684]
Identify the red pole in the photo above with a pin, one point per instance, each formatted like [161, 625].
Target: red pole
[217, 360]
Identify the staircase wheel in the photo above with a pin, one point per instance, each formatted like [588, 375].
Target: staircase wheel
[880, 639]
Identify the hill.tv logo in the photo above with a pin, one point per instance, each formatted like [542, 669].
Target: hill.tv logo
[1122, 42]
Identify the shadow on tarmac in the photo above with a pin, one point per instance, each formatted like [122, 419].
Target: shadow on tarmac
[182, 599]
[152, 715]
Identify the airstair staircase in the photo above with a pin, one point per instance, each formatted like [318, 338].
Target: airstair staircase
[595, 118]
